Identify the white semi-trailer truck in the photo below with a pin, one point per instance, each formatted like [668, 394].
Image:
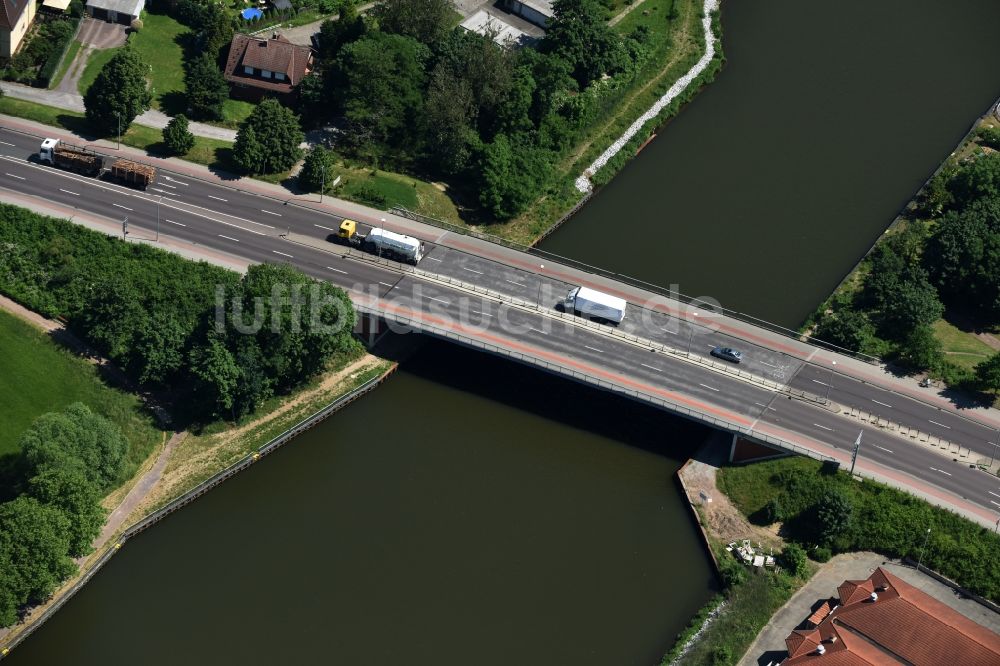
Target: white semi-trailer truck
[593, 304]
[382, 242]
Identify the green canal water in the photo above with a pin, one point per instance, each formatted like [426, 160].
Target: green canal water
[472, 511]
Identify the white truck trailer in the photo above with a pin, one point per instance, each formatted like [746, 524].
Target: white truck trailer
[593, 304]
[382, 242]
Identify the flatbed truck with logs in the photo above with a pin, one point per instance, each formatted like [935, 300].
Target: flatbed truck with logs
[89, 163]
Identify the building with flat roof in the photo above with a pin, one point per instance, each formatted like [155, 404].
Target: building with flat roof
[115, 11]
[538, 12]
[503, 33]
[885, 621]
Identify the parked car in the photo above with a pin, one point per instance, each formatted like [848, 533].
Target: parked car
[727, 354]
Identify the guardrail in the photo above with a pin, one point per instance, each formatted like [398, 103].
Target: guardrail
[583, 322]
[634, 282]
[193, 494]
[615, 387]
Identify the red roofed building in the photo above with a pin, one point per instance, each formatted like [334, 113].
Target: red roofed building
[15, 17]
[258, 65]
[885, 621]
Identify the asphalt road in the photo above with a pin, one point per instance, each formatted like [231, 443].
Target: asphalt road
[254, 227]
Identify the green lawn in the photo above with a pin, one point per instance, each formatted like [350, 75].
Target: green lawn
[157, 44]
[97, 60]
[68, 58]
[39, 376]
[961, 348]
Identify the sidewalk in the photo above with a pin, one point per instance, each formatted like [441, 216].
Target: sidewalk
[74, 102]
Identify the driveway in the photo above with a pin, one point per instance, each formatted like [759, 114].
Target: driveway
[302, 35]
[93, 35]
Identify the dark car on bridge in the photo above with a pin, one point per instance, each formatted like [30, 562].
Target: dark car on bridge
[727, 354]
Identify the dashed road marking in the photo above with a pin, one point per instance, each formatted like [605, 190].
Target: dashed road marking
[439, 300]
[471, 270]
[878, 402]
[819, 382]
[883, 448]
[651, 367]
[172, 222]
[284, 254]
[6, 144]
[941, 470]
[538, 330]
[594, 349]
[75, 194]
[940, 424]
[481, 314]
[386, 284]
[992, 502]
[270, 212]
[760, 404]
[235, 240]
[710, 388]
[210, 196]
[992, 493]
[823, 427]
[121, 206]
[337, 270]
[433, 259]
[770, 365]
[519, 284]
[322, 227]
[18, 177]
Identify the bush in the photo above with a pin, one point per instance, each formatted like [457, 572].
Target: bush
[793, 558]
[822, 554]
[178, 139]
[61, 35]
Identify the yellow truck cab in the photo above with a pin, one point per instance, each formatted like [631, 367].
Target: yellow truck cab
[347, 230]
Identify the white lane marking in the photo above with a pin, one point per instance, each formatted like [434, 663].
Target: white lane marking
[75, 194]
[883, 448]
[6, 144]
[284, 254]
[229, 238]
[472, 270]
[940, 424]
[433, 258]
[992, 502]
[174, 180]
[819, 382]
[770, 365]
[823, 427]
[439, 300]
[538, 330]
[992, 493]
[121, 206]
[667, 330]
[18, 177]
[173, 187]
[173, 194]
[337, 270]
[172, 222]
[760, 404]
[594, 349]
[651, 367]
[218, 198]
[710, 388]
[386, 284]
[877, 402]
[322, 227]
[487, 314]
[519, 284]
[711, 346]
[941, 470]
[270, 213]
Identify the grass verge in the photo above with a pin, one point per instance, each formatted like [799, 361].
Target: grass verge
[97, 60]
[68, 58]
[39, 376]
[158, 45]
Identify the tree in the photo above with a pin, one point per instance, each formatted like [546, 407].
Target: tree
[979, 179]
[988, 374]
[76, 439]
[35, 539]
[317, 171]
[513, 173]
[215, 29]
[447, 119]
[176, 136]
[206, 87]
[963, 256]
[383, 79]
[119, 93]
[349, 27]
[901, 292]
[268, 140]
[921, 350]
[424, 20]
[833, 514]
[579, 34]
[67, 489]
[849, 329]
[793, 558]
[216, 374]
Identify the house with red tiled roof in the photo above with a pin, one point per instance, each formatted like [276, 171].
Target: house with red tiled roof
[885, 621]
[15, 17]
[260, 65]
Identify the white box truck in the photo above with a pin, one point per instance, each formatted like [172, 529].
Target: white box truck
[595, 305]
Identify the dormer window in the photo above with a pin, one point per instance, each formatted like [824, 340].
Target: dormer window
[266, 73]
[279, 76]
[248, 70]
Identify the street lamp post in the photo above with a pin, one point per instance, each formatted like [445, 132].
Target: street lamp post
[538, 298]
[119, 117]
[996, 436]
[322, 181]
[922, 548]
[830, 383]
[158, 199]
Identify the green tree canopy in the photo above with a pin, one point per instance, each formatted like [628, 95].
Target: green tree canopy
[205, 87]
[268, 140]
[317, 170]
[333, 35]
[67, 489]
[579, 34]
[513, 174]
[963, 257]
[424, 20]
[850, 329]
[833, 514]
[77, 439]
[920, 348]
[979, 179]
[35, 539]
[988, 374]
[793, 558]
[383, 81]
[176, 135]
[901, 292]
[119, 94]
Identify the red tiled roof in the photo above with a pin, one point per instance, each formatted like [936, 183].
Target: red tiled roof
[820, 614]
[10, 12]
[275, 55]
[904, 625]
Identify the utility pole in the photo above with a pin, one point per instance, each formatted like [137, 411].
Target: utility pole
[924, 547]
[125, 228]
[119, 117]
[857, 447]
